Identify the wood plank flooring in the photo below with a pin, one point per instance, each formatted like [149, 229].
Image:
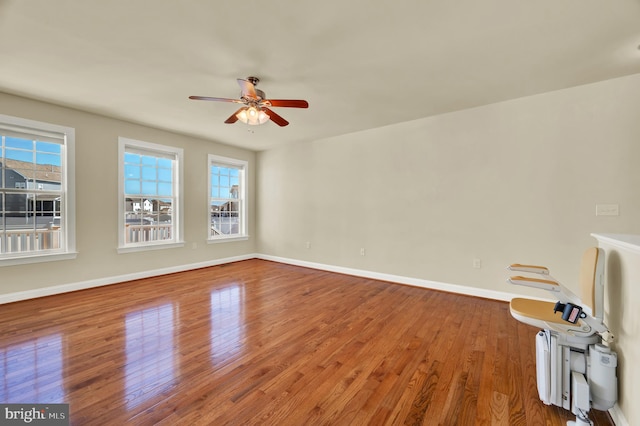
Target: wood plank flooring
[263, 343]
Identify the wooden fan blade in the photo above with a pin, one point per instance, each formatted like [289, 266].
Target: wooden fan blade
[208, 98]
[247, 88]
[288, 103]
[234, 118]
[275, 117]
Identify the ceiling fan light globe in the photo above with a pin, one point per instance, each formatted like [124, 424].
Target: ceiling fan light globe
[262, 117]
[252, 116]
[242, 116]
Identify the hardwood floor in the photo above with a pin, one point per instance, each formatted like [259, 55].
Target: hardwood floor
[257, 342]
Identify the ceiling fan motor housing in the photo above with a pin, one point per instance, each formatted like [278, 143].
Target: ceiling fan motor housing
[260, 94]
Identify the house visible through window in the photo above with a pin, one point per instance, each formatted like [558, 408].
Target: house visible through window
[149, 199]
[227, 202]
[36, 191]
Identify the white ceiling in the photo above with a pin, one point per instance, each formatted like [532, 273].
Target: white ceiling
[360, 64]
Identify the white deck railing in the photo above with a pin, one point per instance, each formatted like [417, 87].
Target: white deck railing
[142, 233]
[26, 240]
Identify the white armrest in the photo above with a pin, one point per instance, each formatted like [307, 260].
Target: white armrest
[549, 285]
[518, 267]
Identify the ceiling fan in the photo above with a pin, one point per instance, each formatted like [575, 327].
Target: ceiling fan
[256, 108]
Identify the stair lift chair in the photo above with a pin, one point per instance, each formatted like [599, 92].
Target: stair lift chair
[575, 370]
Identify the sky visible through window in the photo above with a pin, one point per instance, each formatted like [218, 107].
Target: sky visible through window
[24, 150]
[223, 182]
[148, 175]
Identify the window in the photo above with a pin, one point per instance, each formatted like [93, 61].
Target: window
[37, 209]
[150, 203]
[227, 203]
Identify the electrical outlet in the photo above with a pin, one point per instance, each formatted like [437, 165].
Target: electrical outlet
[607, 210]
[308, 244]
[477, 263]
[362, 252]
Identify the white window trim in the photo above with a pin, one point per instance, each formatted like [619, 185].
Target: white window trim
[244, 232]
[178, 241]
[69, 190]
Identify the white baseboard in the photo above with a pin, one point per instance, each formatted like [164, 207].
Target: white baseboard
[82, 285]
[618, 416]
[416, 282]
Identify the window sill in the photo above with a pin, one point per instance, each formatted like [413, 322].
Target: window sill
[147, 247]
[37, 258]
[227, 239]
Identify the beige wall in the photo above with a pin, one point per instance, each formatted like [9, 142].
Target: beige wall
[97, 202]
[513, 181]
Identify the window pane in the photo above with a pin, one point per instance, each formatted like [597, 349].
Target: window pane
[149, 173]
[132, 206]
[165, 163]
[165, 210]
[19, 175]
[11, 142]
[131, 158]
[45, 158]
[165, 175]
[215, 208]
[165, 188]
[12, 179]
[132, 187]
[131, 171]
[149, 188]
[148, 160]
[19, 155]
[17, 203]
[52, 148]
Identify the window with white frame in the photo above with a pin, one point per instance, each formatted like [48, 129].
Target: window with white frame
[150, 203]
[227, 198]
[37, 209]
